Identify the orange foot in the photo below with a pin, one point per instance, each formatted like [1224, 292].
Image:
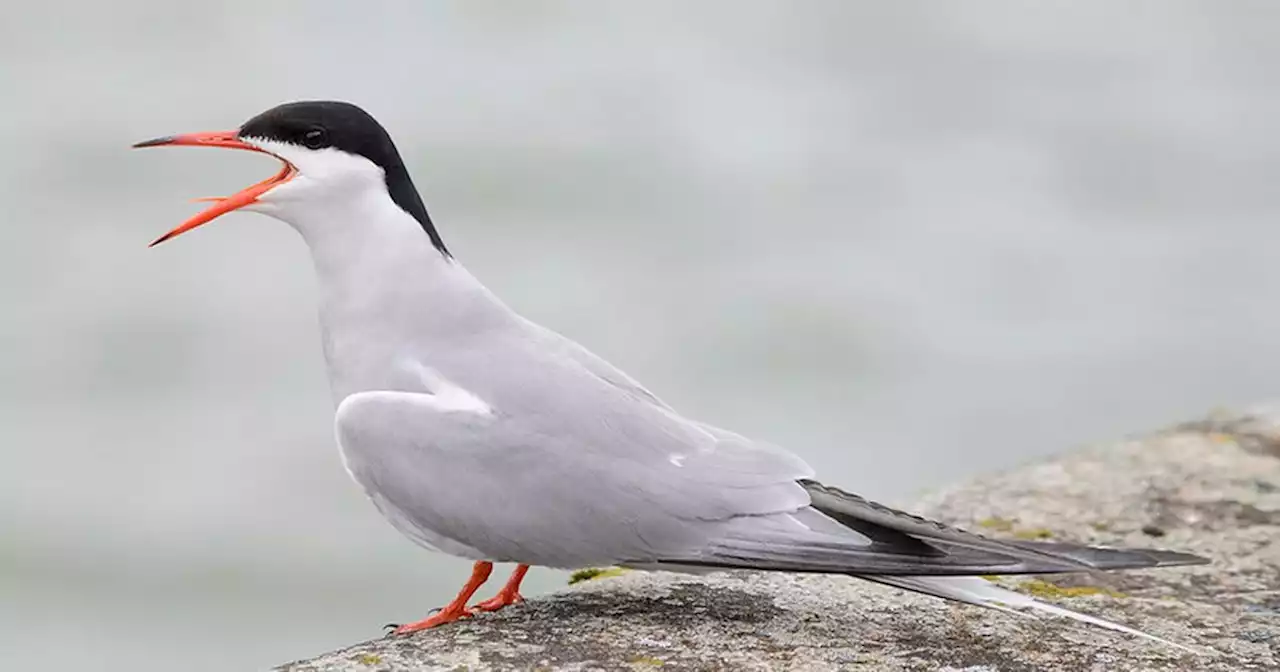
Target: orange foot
[446, 615]
[510, 593]
[498, 601]
[457, 609]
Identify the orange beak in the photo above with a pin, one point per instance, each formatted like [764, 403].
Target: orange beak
[221, 206]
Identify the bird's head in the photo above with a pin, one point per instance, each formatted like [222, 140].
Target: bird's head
[331, 151]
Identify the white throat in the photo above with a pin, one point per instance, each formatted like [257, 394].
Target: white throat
[390, 302]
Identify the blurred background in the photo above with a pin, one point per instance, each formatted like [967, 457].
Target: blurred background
[911, 241]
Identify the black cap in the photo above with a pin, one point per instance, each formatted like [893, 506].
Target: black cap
[317, 124]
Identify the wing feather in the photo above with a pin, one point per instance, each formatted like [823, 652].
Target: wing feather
[615, 481]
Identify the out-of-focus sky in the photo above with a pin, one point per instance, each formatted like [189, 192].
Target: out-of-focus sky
[911, 241]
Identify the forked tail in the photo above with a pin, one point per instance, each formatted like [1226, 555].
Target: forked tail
[983, 593]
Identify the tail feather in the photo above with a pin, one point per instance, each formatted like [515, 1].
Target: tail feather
[980, 592]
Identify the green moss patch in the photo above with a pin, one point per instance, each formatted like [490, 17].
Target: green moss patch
[996, 523]
[592, 573]
[1042, 588]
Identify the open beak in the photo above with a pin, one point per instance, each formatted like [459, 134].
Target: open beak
[220, 206]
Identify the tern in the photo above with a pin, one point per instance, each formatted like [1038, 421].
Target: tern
[478, 433]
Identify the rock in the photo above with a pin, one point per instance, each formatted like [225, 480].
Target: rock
[1210, 488]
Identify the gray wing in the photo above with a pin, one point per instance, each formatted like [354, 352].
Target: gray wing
[594, 364]
[512, 491]
[595, 479]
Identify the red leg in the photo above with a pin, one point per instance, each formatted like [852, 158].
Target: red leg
[456, 609]
[510, 593]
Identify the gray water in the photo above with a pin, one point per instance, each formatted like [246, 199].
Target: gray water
[911, 241]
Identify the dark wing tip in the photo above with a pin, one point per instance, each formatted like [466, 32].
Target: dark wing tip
[890, 526]
[1175, 559]
[1104, 557]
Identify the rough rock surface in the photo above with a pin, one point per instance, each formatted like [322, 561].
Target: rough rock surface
[1210, 487]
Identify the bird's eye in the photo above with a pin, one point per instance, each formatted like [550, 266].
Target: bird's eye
[315, 138]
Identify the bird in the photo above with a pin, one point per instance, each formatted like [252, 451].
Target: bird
[479, 433]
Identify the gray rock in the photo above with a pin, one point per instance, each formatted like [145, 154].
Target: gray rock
[1210, 487]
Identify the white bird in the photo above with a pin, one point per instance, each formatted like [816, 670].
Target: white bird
[483, 435]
